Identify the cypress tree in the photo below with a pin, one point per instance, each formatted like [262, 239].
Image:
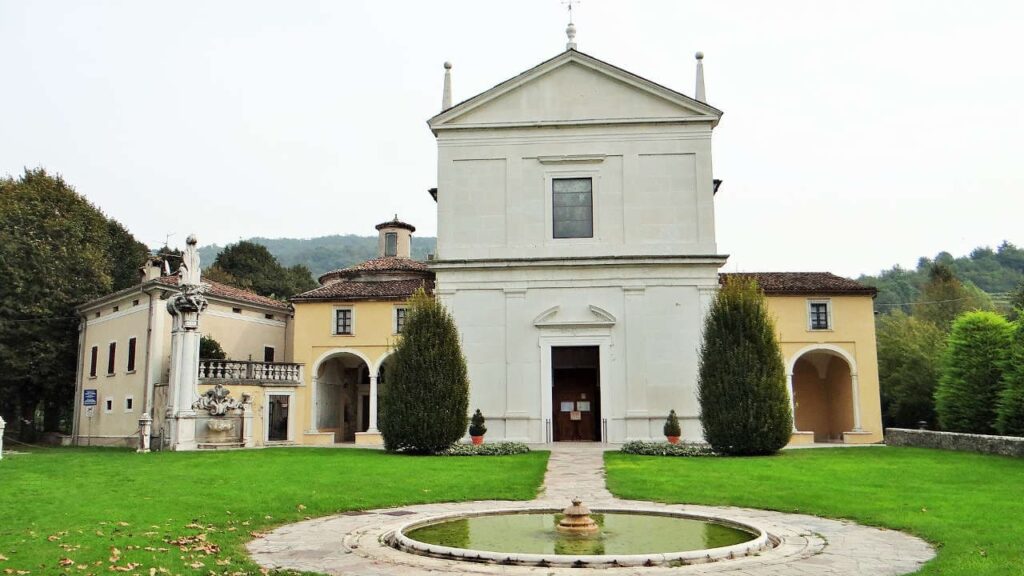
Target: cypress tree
[1010, 412]
[971, 380]
[742, 381]
[424, 402]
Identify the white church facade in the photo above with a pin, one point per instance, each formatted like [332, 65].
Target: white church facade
[576, 249]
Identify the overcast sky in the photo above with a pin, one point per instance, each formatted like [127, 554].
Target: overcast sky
[856, 135]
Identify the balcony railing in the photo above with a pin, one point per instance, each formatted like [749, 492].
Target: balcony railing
[245, 371]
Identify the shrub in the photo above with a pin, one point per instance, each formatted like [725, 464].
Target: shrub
[645, 448]
[476, 424]
[742, 382]
[1010, 412]
[969, 387]
[909, 356]
[494, 449]
[671, 427]
[210, 349]
[424, 403]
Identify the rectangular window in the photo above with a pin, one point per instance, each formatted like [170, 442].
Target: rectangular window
[111, 355]
[819, 316]
[268, 316]
[129, 403]
[268, 353]
[108, 405]
[131, 354]
[236, 310]
[343, 321]
[135, 302]
[92, 361]
[399, 320]
[116, 308]
[391, 244]
[572, 208]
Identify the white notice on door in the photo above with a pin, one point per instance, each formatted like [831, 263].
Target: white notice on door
[566, 406]
[583, 406]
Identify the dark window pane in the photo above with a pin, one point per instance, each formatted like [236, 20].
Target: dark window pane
[110, 357]
[572, 208]
[131, 354]
[391, 244]
[92, 361]
[268, 354]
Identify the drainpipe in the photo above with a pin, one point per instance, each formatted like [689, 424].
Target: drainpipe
[83, 326]
[147, 389]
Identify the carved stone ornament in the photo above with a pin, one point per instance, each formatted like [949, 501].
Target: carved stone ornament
[190, 299]
[217, 401]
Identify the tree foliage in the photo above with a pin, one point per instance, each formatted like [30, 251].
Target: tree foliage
[251, 266]
[1010, 412]
[56, 251]
[210, 349]
[971, 379]
[944, 297]
[909, 352]
[424, 402]
[744, 403]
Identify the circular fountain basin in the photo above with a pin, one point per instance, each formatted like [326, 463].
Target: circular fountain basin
[626, 538]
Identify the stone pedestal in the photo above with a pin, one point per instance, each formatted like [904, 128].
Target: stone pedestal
[183, 384]
[145, 430]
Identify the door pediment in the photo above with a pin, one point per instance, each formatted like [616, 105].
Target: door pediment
[577, 317]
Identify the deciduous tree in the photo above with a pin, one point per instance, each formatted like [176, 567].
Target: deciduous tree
[909, 352]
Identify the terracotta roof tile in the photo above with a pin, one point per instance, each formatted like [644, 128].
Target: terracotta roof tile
[225, 291]
[396, 223]
[795, 283]
[383, 264]
[381, 290]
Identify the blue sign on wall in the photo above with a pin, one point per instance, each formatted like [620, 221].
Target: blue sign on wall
[89, 397]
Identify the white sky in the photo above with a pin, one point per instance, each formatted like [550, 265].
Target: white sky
[856, 134]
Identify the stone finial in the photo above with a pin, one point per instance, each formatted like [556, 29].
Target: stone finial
[446, 96]
[699, 92]
[570, 32]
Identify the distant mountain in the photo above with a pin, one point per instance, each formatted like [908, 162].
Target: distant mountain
[997, 272]
[325, 253]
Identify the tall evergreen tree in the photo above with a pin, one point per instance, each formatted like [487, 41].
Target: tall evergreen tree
[744, 403]
[971, 380]
[909, 353]
[425, 399]
[1010, 412]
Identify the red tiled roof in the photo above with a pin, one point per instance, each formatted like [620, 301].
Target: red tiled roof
[796, 283]
[383, 264]
[381, 290]
[225, 291]
[396, 223]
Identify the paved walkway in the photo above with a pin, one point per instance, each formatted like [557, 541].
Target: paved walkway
[351, 543]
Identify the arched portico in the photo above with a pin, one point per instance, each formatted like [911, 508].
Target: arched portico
[823, 392]
[341, 384]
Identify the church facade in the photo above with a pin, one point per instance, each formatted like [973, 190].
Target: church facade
[576, 251]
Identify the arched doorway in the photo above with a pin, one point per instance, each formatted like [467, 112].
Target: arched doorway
[342, 381]
[824, 399]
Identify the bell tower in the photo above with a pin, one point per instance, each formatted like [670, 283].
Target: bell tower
[395, 239]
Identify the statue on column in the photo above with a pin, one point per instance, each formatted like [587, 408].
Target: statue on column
[183, 384]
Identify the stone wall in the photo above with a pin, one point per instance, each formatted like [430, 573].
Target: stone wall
[1002, 445]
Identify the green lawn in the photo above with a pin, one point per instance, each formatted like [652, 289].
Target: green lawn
[970, 506]
[191, 513]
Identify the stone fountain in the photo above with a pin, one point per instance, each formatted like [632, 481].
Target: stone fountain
[577, 520]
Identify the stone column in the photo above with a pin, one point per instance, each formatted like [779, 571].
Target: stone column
[373, 405]
[183, 385]
[145, 429]
[247, 418]
[792, 403]
[855, 398]
[2, 426]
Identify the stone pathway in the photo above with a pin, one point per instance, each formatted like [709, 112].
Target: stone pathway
[351, 543]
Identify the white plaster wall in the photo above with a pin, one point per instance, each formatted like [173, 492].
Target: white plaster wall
[649, 348]
[653, 192]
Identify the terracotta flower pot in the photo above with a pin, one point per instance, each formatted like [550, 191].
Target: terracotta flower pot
[477, 439]
[673, 439]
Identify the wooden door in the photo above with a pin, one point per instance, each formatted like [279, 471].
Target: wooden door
[576, 405]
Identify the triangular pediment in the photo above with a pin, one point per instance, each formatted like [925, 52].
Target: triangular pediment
[574, 89]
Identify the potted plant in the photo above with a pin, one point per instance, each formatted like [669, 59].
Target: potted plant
[671, 429]
[477, 428]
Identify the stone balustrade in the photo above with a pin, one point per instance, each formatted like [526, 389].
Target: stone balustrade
[246, 371]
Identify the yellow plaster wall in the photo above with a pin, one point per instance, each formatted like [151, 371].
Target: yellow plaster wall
[853, 331]
[129, 321]
[243, 335]
[372, 337]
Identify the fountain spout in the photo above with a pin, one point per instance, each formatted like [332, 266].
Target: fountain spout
[577, 520]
